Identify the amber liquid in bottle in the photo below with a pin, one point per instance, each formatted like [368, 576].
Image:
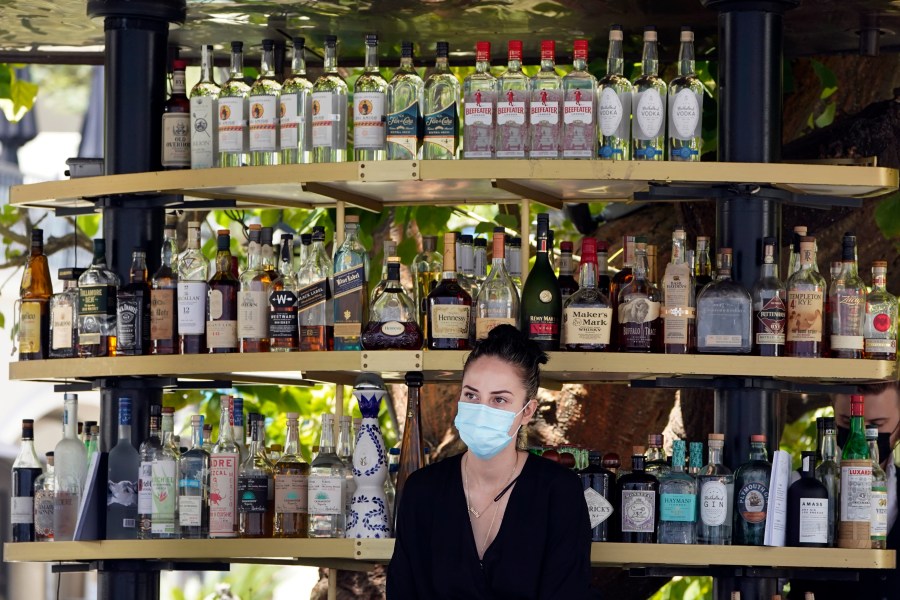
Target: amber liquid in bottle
[806, 292]
[449, 307]
[412, 453]
[622, 277]
[163, 297]
[34, 295]
[221, 335]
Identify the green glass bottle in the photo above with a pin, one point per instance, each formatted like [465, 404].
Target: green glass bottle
[854, 528]
[541, 299]
[751, 500]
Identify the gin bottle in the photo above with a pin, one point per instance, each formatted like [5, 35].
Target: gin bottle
[829, 473]
[806, 292]
[601, 495]
[656, 463]
[880, 329]
[63, 316]
[176, 123]
[291, 486]
[392, 319]
[97, 307]
[579, 137]
[329, 110]
[369, 95]
[679, 303]
[327, 481]
[513, 88]
[133, 309]
[479, 106]
[26, 470]
[807, 508]
[44, 492]
[163, 295]
[193, 486]
[222, 304]
[854, 528]
[204, 117]
[587, 315]
[768, 296]
[283, 330]
[296, 110]
[441, 108]
[614, 111]
[256, 504]
[448, 306]
[715, 496]
[879, 498]
[224, 463]
[751, 501]
[122, 491]
[426, 270]
[648, 129]
[405, 99]
[639, 322]
[193, 273]
[686, 105]
[233, 113]
[545, 106]
[148, 452]
[265, 106]
[497, 302]
[723, 313]
[164, 481]
[847, 298]
[34, 300]
[677, 502]
[314, 302]
[351, 272]
[639, 497]
[253, 299]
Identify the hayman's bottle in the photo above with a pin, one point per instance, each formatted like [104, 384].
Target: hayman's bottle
[351, 272]
[479, 106]
[329, 110]
[204, 117]
[265, 105]
[579, 138]
[296, 110]
[614, 103]
[545, 106]
[677, 502]
[441, 110]
[405, 100]
[223, 475]
[511, 136]
[648, 129]
[232, 109]
[369, 96]
[685, 105]
[122, 473]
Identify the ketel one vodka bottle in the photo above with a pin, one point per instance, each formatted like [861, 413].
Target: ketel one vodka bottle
[351, 270]
[25, 471]
[614, 103]
[233, 112]
[512, 106]
[441, 141]
[122, 472]
[847, 297]
[715, 496]
[579, 138]
[223, 476]
[97, 307]
[545, 107]
[854, 528]
[769, 297]
[541, 306]
[193, 273]
[648, 127]
[685, 105]
[881, 317]
[176, 123]
[265, 105]
[479, 106]
[204, 117]
[296, 110]
[369, 95]
[133, 310]
[329, 110]
[405, 99]
[34, 300]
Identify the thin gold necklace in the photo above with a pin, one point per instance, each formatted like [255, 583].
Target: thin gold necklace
[477, 513]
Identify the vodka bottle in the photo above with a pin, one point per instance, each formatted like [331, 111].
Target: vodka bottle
[579, 138]
[329, 110]
[614, 103]
[26, 470]
[513, 89]
[148, 452]
[686, 105]
[123, 469]
[545, 107]
[479, 106]
[327, 481]
[405, 101]
[648, 131]
[44, 491]
[314, 302]
[233, 113]
[296, 110]
[369, 95]
[265, 105]
[204, 115]
[441, 110]
[164, 482]
[193, 273]
[70, 453]
[291, 486]
[223, 474]
[193, 486]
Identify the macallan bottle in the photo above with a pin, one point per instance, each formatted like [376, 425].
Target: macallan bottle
[222, 305]
[806, 303]
[679, 303]
[133, 310]
[449, 306]
[314, 302]
[163, 297]
[193, 291]
[253, 299]
[769, 296]
[34, 302]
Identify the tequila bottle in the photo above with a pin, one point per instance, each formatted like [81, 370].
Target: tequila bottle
[369, 95]
[64, 316]
[879, 498]
[329, 110]
[123, 468]
[854, 528]
[284, 335]
[686, 105]
[679, 303]
[480, 106]
[44, 492]
[724, 313]
[233, 111]
[601, 495]
[513, 88]
[314, 302]
[545, 106]
[26, 470]
[807, 508]
[579, 137]
[648, 129]
[881, 317]
[497, 302]
[164, 481]
[291, 486]
[351, 272]
[639, 322]
[34, 300]
[163, 296]
[148, 451]
[193, 273]
[222, 303]
[769, 296]
[265, 107]
[806, 300]
[639, 497]
[176, 123]
[327, 481]
[296, 110]
[426, 270]
[392, 319]
[677, 502]
[193, 486]
[223, 474]
[441, 108]
[405, 99]
[256, 497]
[587, 315]
[449, 306]
[204, 116]
[715, 496]
[847, 298]
[614, 111]
[253, 299]
[751, 501]
[97, 307]
[133, 309]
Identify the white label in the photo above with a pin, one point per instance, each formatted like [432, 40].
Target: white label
[326, 495]
[724, 341]
[290, 122]
[189, 511]
[215, 304]
[221, 334]
[649, 114]
[611, 111]
[203, 128]
[324, 119]
[856, 491]
[253, 315]
[479, 112]
[684, 114]
[847, 342]
[176, 142]
[191, 307]
[22, 510]
[450, 321]
[368, 120]
[62, 327]
[599, 507]
[713, 503]
[145, 489]
[587, 325]
[544, 111]
[223, 470]
[638, 511]
[879, 527]
[814, 520]
[393, 328]
[232, 125]
[264, 123]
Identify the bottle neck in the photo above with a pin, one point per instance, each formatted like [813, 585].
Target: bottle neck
[406, 64]
[371, 58]
[579, 64]
[292, 438]
[125, 426]
[565, 263]
[237, 65]
[196, 436]
[99, 259]
[650, 59]
[178, 88]
[640, 265]
[758, 451]
[655, 454]
[266, 65]
[637, 463]
[548, 65]
[226, 432]
[615, 61]
[602, 263]
[286, 268]
[769, 267]
[223, 261]
[686, 59]
[587, 278]
[193, 239]
[703, 263]
[715, 455]
[154, 427]
[442, 65]
[138, 271]
[514, 65]
[879, 282]
[343, 446]
[873, 451]
[205, 65]
[169, 248]
[829, 445]
[330, 65]
[254, 256]
[298, 64]
[70, 419]
[678, 251]
[37, 248]
[326, 441]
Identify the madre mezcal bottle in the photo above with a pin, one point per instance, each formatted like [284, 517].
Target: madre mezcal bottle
[329, 110]
[545, 106]
[639, 495]
[441, 108]
[479, 106]
[204, 120]
[715, 496]
[648, 131]
[405, 101]
[614, 103]
[232, 110]
[296, 110]
[677, 501]
[34, 302]
[265, 105]
[369, 95]
[685, 105]
[751, 500]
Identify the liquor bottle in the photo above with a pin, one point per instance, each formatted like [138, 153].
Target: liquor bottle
[480, 260]
[314, 302]
[224, 462]
[264, 100]
[147, 453]
[426, 270]
[724, 313]
[296, 110]
[97, 307]
[253, 299]
[392, 319]
[880, 329]
[351, 273]
[847, 297]
[93, 443]
[806, 292]
[579, 137]
[441, 108]
[480, 106]
[497, 302]
[545, 106]
[204, 117]
[267, 252]
[222, 304]
[601, 495]
[639, 494]
[514, 261]
[193, 486]
[652, 272]
[639, 322]
[369, 95]
[282, 302]
[63, 316]
[677, 502]
[44, 492]
[879, 498]
[587, 314]
[176, 123]
[412, 455]
[193, 290]
[716, 496]
[679, 302]
[686, 105]
[541, 307]
[513, 90]
[622, 277]
[807, 508]
[465, 263]
[164, 481]
[389, 250]
[656, 463]
[133, 309]
[769, 296]
[256, 504]
[799, 232]
[237, 428]
[327, 481]
[25, 471]
[614, 111]
[648, 130]
[301, 253]
[751, 483]
[703, 268]
[448, 306]
[233, 109]
[568, 285]
[124, 466]
[405, 99]
[291, 486]
[163, 297]
[345, 453]
[329, 110]
[207, 437]
[854, 528]
[34, 299]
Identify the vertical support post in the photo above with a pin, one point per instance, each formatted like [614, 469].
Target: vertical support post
[341, 210]
[525, 226]
[332, 584]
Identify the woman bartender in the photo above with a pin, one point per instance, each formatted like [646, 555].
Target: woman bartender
[494, 522]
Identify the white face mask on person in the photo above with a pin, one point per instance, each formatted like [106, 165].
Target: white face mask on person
[485, 430]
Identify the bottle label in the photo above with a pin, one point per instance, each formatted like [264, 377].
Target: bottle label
[216, 304]
[847, 342]
[393, 328]
[649, 115]
[312, 295]
[484, 325]
[203, 142]
[599, 507]
[264, 123]
[638, 511]
[546, 129]
[326, 495]
[253, 493]
[124, 493]
[678, 312]
[441, 127]
[403, 128]
[29, 337]
[587, 326]
[879, 513]
[62, 316]
[221, 334]
[176, 142]
[222, 494]
[714, 503]
[326, 118]
[162, 314]
[880, 346]
[190, 513]
[578, 124]
[681, 508]
[512, 128]
[132, 322]
[880, 327]
[542, 327]
[21, 510]
[752, 502]
[97, 301]
[253, 318]
[283, 315]
[685, 111]
[291, 494]
[290, 122]
[805, 316]
[770, 322]
[349, 281]
[163, 499]
[368, 120]
[856, 490]
[43, 513]
[232, 124]
[145, 488]
[450, 321]
[192, 297]
[611, 113]
[478, 122]
[813, 520]
[639, 320]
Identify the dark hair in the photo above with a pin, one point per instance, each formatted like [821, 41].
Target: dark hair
[509, 344]
[880, 387]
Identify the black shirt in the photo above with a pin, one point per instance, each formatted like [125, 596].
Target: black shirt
[541, 551]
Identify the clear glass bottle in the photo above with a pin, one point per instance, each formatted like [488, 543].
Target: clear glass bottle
[292, 486]
[579, 133]
[686, 105]
[541, 305]
[97, 288]
[389, 249]
[715, 496]
[237, 428]
[329, 110]
[207, 437]
[284, 335]
[148, 452]
[256, 504]
[679, 302]
[769, 310]
[253, 299]
[513, 90]
[392, 319]
[480, 106]
[855, 525]
[26, 470]
[724, 313]
[296, 110]
[426, 270]
[847, 297]
[799, 231]
[656, 463]
[880, 329]
[133, 309]
[448, 306]
[222, 303]
[497, 302]
[879, 498]
[545, 106]
[638, 310]
[480, 260]
[233, 109]
[34, 300]
[614, 103]
[751, 501]
[806, 292]
[829, 473]
[351, 294]
[64, 316]
[587, 314]
[441, 108]
[405, 100]
[123, 469]
[44, 492]
[70, 453]
[204, 120]
[677, 502]
[327, 480]
[163, 296]
[265, 107]
[164, 478]
[648, 129]
[369, 96]
[93, 444]
[176, 123]
[345, 453]
[193, 290]
[224, 463]
[639, 501]
[514, 261]
[314, 303]
[193, 486]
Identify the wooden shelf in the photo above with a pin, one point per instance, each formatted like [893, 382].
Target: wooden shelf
[373, 186]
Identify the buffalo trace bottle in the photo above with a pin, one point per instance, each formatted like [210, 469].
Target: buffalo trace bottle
[601, 496]
[193, 486]
[34, 302]
[223, 475]
[545, 106]
[639, 322]
[880, 330]
[587, 315]
[807, 508]
[314, 302]
[44, 492]
[164, 481]
[879, 499]
[724, 313]
[123, 470]
[541, 307]
[441, 109]
[327, 487]
[26, 470]
[283, 330]
[351, 295]
[806, 292]
[854, 528]
[369, 95]
[291, 486]
[715, 496]
[677, 501]
[685, 105]
[176, 123]
[296, 110]
[97, 307]
[769, 296]
[222, 305]
[148, 451]
[579, 137]
[751, 500]
[679, 303]
[204, 120]
[329, 110]
[405, 99]
[829, 473]
[64, 315]
[193, 292]
[497, 302]
[648, 128]
[163, 296]
[639, 494]
[449, 306]
[479, 106]
[233, 107]
[614, 103]
[392, 319]
[253, 299]
[133, 309]
[512, 106]
[265, 107]
[847, 300]
[256, 505]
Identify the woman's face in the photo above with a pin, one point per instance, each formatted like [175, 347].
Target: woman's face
[496, 383]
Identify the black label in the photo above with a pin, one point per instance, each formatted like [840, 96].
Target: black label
[132, 321]
[311, 295]
[253, 492]
[283, 315]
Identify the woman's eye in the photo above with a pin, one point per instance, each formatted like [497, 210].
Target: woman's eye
[500, 400]
[469, 396]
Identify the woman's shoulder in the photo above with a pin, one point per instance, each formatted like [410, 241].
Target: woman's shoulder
[547, 470]
[435, 473]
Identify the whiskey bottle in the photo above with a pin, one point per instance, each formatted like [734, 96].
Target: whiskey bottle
[123, 468]
[541, 307]
[204, 120]
[26, 470]
[497, 302]
[847, 297]
[176, 123]
[513, 88]
[723, 313]
[639, 496]
[63, 316]
[679, 302]
[97, 307]
[587, 314]
[291, 486]
[163, 296]
[715, 496]
[579, 137]
[296, 110]
[568, 285]
[224, 463]
[412, 455]
[222, 304]
[880, 329]
[284, 334]
[392, 319]
[44, 492]
[426, 270]
[326, 491]
[193, 290]
[799, 232]
[351, 294]
[329, 110]
[253, 299]
[807, 518]
[256, 505]
[233, 109]
[148, 452]
[769, 295]
[854, 528]
[449, 306]
[441, 141]
[639, 322]
[751, 501]
[879, 498]
[314, 301]
[405, 99]
[601, 495]
[648, 129]
[480, 106]
[545, 106]
[164, 481]
[677, 501]
[829, 473]
[622, 277]
[265, 106]
[34, 302]
[806, 300]
[369, 95]
[614, 110]
[686, 105]
[133, 310]
[193, 486]
[703, 268]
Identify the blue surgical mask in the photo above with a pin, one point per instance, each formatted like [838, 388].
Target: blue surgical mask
[485, 430]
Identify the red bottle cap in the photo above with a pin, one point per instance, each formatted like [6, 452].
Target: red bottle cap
[483, 51]
[515, 50]
[758, 438]
[179, 65]
[856, 405]
[588, 249]
[566, 246]
[581, 49]
[548, 50]
[602, 246]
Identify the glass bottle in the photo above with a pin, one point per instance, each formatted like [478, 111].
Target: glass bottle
[448, 306]
[541, 306]
[97, 307]
[123, 468]
[497, 302]
[677, 502]
[807, 508]
[133, 309]
[405, 99]
[806, 292]
[193, 290]
[392, 319]
[879, 498]
[222, 303]
[345, 453]
[224, 462]
[648, 131]
[93, 444]
[255, 504]
[639, 322]
[147, 453]
[193, 486]
[176, 123]
[639, 496]
[513, 89]
[703, 268]
[233, 106]
[441, 141]
[679, 302]
[579, 138]
[568, 285]
[163, 295]
[389, 249]
[724, 313]
[769, 296]
[327, 481]
[652, 265]
[715, 496]
[686, 105]
[296, 110]
[622, 276]
[794, 249]
[847, 297]
[412, 455]
[604, 281]
[426, 270]
[44, 491]
[314, 302]
[66, 502]
[207, 437]
[264, 100]
[70, 453]
[480, 106]
[164, 478]
[329, 110]
[369, 95]
[854, 528]
[253, 299]
[64, 315]
[656, 463]
[545, 106]
[283, 331]
[351, 294]
[204, 132]
[601, 495]
[880, 328]
[514, 261]
[751, 484]
[291, 486]
[267, 252]
[614, 99]
[26, 470]
[480, 260]
[34, 302]
[587, 314]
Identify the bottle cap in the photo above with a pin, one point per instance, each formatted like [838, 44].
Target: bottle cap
[602, 245]
[480, 242]
[637, 450]
[548, 49]
[757, 438]
[268, 44]
[465, 238]
[73, 273]
[371, 39]
[871, 433]
[655, 440]
[611, 459]
[237, 46]
[650, 33]
[292, 416]
[168, 410]
[299, 43]
[99, 246]
[28, 429]
[716, 437]
[155, 411]
[514, 49]
[876, 264]
[429, 243]
[515, 242]
[567, 246]
[687, 35]
[351, 219]
[266, 235]
[70, 396]
[580, 50]
[443, 49]
[483, 51]
[394, 451]
[330, 41]
[406, 49]
[588, 247]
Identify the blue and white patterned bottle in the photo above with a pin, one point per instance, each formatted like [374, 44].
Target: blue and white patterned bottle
[369, 515]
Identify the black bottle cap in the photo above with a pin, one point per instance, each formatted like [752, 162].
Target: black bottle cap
[266, 236]
[306, 239]
[371, 39]
[828, 422]
[480, 242]
[615, 27]
[223, 241]
[393, 270]
[137, 250]
[155, 411]
[27, 429]
[443, 49]
[414, 379]
[268, 44]
[406, 49]
[500, 230]
[286, 248]
[299, 43]
[650, 28]
[253, 235]
[99, 246]
[543, 218]
[516, 242]
[331, 41]
[237, 46]
[686, 28]
[37, 236]
[465, 238]
[318, 234]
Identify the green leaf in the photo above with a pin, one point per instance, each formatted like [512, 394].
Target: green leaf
[827, 117]
[887, 216]
[511, 222]
[407, 250]
[826, 76]
[89, 224]
[16, 96]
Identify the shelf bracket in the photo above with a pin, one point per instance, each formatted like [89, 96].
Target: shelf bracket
[520, 189]
[344, 195]
[659, 192]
